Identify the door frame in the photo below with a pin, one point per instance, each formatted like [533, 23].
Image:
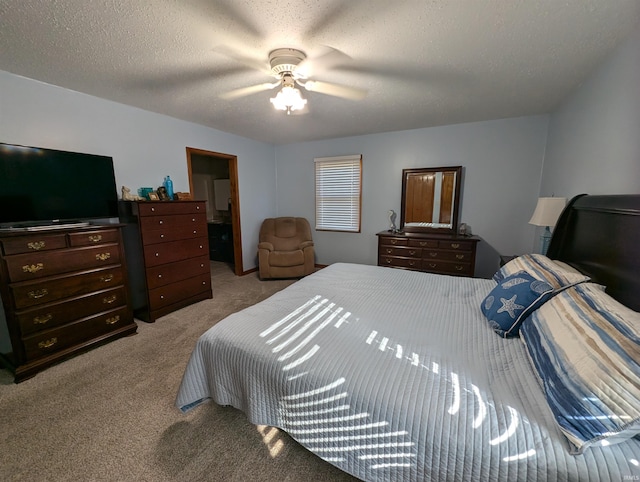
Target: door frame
[235, 199]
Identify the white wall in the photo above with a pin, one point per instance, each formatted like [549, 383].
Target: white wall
[592, 146]
[594, 137]
[145, 146]
[502, 161]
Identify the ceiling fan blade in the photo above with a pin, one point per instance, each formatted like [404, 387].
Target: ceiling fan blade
[337, 90]
[254, 89]
[325, 61]
[256, 64]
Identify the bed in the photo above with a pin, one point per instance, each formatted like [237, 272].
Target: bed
[401, 375]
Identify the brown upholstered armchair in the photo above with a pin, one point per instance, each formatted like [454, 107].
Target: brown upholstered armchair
[285, 248]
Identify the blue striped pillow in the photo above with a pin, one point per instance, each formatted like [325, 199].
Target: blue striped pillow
[585, 347]
[558, 274]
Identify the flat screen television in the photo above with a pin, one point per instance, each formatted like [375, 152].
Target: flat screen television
[47, 187]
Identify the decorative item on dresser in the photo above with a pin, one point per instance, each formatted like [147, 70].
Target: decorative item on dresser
[168, 255]
[64, 291]
[433, 253]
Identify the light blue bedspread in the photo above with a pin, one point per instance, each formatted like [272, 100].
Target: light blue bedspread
[393, 375]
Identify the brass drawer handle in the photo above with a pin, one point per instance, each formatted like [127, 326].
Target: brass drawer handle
[103, 256]
[432, 265]
[393, 241]
[389, 250]
[388, 260]
[48, 343]
[32, 268]
[423, 243]
[459, 268]
[95, 238]
[113, 320]
[36, 245]
[107, 300]
[412, 263]
[412, 252]
[41, 320]
[459, 256]
[433, 254]
[106, 278]
[38, 293]
[455, 245]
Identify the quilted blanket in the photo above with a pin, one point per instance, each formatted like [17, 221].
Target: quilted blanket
[393, 375]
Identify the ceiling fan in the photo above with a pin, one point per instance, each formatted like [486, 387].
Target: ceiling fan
[291, 68]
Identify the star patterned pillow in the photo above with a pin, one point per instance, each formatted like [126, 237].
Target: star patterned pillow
[513, 300]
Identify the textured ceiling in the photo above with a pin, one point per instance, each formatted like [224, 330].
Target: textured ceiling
[423, 62]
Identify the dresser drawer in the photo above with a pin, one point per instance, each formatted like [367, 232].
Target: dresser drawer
[176, 292]
[423, 243]
[387, 241]
[33, 244]
[172, 221]
[55, 314]
[91, 238]
[59, 287]
[50, 341]
[443, 255]
[447, 267]
[411, 263]
[405, 251]
[456, 245]
[167, 233]
[170, 273]
[164, 208]
[28, 266]
[158, 254]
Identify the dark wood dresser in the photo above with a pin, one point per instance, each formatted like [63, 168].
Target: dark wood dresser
[433, 253]
[167, 253]
[63, 291]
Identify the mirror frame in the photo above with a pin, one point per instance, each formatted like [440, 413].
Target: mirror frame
[456, 201]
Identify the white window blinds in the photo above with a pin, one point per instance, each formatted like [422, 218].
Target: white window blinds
[338, 193]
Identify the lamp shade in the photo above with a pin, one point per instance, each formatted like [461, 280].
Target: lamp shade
[548, 211]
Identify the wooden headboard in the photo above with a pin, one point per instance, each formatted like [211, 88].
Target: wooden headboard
[600, 236]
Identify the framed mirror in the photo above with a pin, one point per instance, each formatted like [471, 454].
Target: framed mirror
[431, 199]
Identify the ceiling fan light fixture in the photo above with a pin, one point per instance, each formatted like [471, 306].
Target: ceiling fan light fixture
[288, 99]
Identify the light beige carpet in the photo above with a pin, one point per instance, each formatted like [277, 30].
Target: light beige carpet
[109, 414]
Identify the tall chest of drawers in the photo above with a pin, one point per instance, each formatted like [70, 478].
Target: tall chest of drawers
[167, 251]
[63, 291]
[433, 253]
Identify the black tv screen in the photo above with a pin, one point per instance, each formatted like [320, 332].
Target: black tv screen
[45, 186]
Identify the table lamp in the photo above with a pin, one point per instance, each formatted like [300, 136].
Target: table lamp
[546, 214]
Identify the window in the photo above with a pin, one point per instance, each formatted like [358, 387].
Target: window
[338, 193]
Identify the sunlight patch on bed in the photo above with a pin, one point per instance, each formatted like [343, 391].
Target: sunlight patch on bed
[325, 420]
[459, 390]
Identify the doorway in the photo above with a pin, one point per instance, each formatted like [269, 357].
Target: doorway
[210, 170]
